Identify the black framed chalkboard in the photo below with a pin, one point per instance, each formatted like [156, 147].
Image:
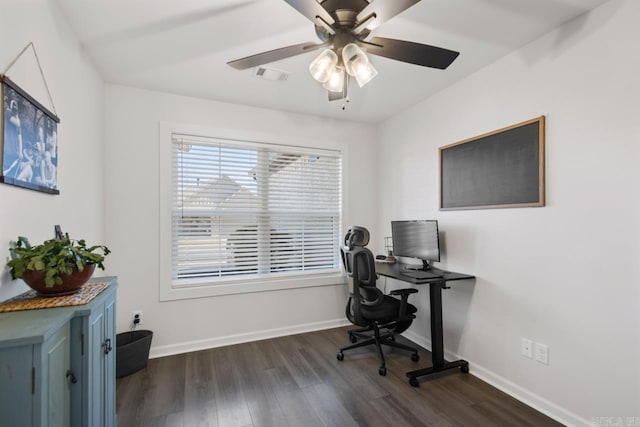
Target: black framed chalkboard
[500, 169]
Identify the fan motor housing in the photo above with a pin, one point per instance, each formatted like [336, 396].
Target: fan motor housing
[345, 14]
[354, 5]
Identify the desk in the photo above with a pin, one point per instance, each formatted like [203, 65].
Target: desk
[435, 302]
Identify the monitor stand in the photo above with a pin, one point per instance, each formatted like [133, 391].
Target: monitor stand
[425, 266]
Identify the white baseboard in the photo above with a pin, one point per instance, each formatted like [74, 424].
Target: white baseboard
[189, 346]
[540, 404]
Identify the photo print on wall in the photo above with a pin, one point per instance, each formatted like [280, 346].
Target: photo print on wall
[29, 141]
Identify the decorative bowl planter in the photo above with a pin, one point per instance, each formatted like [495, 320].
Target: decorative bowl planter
[70, 282]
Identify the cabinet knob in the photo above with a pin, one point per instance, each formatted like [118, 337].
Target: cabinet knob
[71, 376]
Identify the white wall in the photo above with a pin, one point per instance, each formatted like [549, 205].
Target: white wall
[566, 274]
[77, 92]
[132, 220]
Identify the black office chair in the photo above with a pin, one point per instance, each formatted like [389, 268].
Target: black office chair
[367, 306]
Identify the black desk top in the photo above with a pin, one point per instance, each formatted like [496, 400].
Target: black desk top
[395, 271]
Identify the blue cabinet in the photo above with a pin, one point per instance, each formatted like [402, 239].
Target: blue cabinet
[57, 365]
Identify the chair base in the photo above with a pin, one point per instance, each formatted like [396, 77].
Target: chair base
[379, 339]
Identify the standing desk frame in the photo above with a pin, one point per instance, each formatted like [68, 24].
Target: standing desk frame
[436, 285]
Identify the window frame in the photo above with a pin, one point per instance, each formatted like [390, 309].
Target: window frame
[207, 287]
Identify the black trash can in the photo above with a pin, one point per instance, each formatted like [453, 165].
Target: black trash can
[132, 351]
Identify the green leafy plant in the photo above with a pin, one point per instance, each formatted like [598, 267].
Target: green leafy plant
[56, 257]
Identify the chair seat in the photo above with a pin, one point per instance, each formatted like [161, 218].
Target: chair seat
[387, 310]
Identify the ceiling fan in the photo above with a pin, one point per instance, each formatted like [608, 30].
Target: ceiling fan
[343, 27]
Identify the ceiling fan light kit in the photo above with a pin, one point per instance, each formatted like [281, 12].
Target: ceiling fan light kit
[343, 27]
[326, 69]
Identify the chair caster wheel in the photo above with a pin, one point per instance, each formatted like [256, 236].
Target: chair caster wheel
[415, 357]
[382, 371]
[464, 369]
[340, 356]
[353, 338]
[414, 382]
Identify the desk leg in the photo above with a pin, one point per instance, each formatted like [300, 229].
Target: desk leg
[437, 341]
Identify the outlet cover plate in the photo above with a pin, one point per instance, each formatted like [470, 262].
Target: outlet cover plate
[541, 352]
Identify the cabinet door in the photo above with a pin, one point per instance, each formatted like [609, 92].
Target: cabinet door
[78, 350]
[97, 401]
[54, 382]
[95, 374]
[16, 372]
[110, 365]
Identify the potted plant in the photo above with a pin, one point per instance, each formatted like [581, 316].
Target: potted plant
[57, 266]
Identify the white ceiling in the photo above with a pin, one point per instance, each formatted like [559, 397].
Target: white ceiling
[182, 47]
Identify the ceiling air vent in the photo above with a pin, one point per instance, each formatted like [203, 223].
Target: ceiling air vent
[271, 74]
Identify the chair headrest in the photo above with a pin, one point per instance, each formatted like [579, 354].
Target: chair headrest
[356, 236]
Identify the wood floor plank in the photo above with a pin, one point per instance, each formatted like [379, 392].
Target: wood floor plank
[261, 401]
[165, 390]
[132, 392]
[303, 374]
[200, 407]
[327, 406]
[232, 407]
[169, 420]
[297, 381]
[508, 413]
[295, 407]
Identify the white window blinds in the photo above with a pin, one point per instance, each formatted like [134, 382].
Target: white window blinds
[244, 210]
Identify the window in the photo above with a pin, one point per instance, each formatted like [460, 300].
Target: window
[244, 211]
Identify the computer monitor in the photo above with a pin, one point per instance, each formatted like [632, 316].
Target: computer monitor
[416, 239]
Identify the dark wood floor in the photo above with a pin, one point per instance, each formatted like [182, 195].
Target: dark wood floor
[297, 381]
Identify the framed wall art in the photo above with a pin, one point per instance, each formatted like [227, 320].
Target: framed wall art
[28, 141]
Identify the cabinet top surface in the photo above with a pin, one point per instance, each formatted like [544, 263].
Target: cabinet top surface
[34, 326]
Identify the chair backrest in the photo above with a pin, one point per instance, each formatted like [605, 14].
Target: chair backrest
[359, 264]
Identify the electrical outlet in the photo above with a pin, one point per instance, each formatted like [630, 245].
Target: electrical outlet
[541, 352]
[137, 317]
[526, 348]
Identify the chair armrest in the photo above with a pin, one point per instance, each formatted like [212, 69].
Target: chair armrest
[404, 296]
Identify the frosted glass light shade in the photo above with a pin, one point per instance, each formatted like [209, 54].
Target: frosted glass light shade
[357, 64]
[350, 53]
[365, 72]
[336, 81]
[323, 66]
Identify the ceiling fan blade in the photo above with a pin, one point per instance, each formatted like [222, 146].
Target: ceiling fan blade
[274, 55]
[312, 10]
[383, 11]
[413, 53]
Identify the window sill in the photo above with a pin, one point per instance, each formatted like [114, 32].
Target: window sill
[203, 289]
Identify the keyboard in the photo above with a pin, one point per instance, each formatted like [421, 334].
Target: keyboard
[419, 274]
